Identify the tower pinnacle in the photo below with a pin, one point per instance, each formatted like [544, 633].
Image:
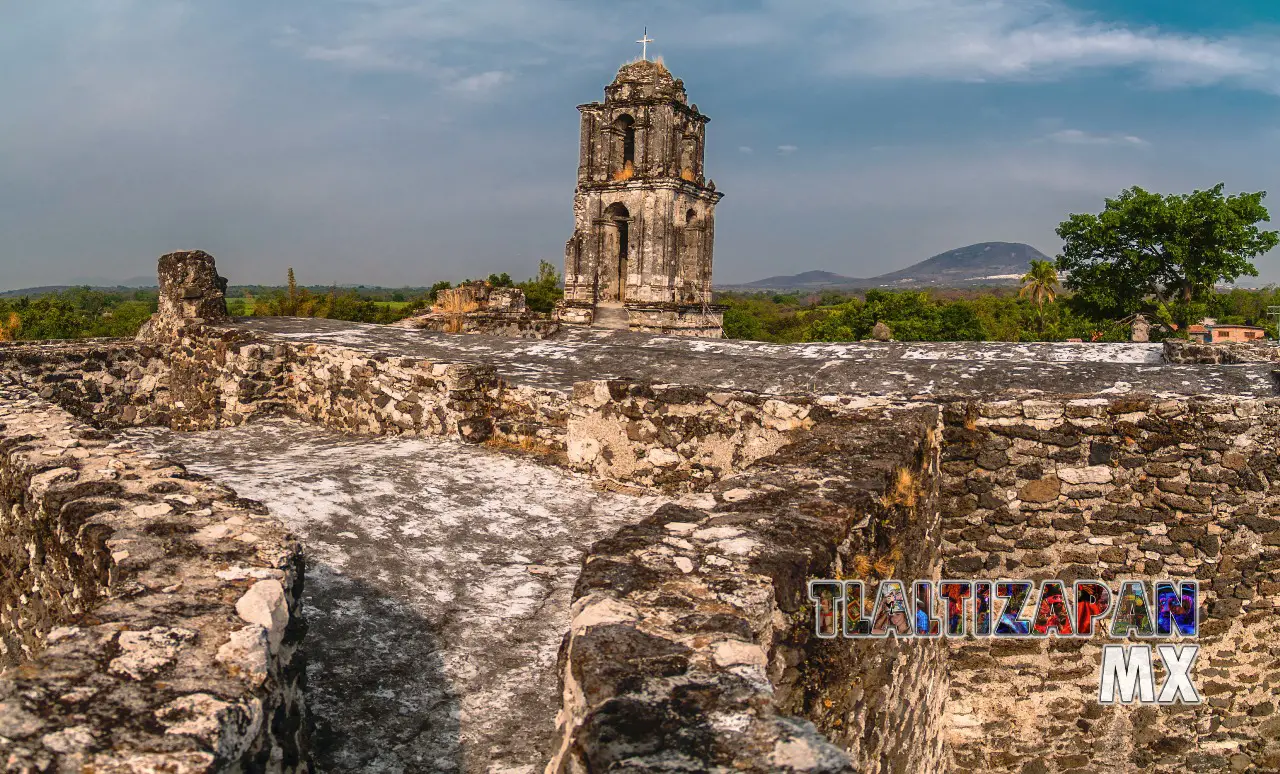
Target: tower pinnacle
[644, 42]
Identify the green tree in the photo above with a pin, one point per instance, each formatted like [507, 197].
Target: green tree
[959, 321]
[51, 317]
[1171, 247]
[1041, 283]
[542, 291]
[741, 324]
[435, 289]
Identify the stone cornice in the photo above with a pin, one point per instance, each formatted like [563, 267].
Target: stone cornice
[679, 106]
[640, 184]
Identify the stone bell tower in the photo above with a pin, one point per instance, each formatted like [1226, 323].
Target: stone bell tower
[644, 212]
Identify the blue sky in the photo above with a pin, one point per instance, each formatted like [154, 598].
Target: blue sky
[395, 142]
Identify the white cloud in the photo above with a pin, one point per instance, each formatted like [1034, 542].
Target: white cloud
[746, 150]
[445, 40]
[990, 40]
[361, 56]
[1079, 137]
[111, 122]
[787, 150]
[960, 40]
[481, 83]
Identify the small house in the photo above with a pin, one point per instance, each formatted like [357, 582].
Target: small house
[1217, 334]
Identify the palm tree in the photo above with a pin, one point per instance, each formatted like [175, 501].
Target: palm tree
[1041, 283]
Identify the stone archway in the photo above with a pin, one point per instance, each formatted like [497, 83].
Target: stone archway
[617, 238]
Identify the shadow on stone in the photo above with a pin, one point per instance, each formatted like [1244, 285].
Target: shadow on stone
[376, 686]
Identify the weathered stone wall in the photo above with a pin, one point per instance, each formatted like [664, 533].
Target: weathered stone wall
[191, 293]
[511, 325]
[691, 647]
[478, 307]
[882, 700]
[674, 435]
[667, 435]
[349, 391]
[1185, 351]
[1109, 488]
[149, 619]
[225, 377]
[574, 312]
[688, 646]
[221, 377]
[479, 295]
[1115, 488]
[534, 419]
[113, 382]
[706, 321]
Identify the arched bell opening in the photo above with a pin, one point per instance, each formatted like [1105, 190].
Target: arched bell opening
[624, 128]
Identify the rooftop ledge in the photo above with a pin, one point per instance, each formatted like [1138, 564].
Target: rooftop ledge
[898, 369]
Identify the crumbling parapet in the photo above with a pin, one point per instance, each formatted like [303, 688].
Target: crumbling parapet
[691, 646]
[150, 620]
[572, 312]
[1184, 352]
[477, 296]
[211, 377]
[478, 307]
[701, 320]
[110, 382]
[678, 437]
[191, 293]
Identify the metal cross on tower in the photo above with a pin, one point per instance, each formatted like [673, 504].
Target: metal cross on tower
[644, 42]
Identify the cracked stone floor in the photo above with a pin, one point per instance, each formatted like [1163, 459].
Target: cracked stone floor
[438, 585]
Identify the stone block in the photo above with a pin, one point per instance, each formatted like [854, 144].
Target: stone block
[1097, 474]
[1041, 491]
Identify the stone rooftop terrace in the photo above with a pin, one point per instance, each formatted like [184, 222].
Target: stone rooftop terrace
[960, 369]
[438, 586]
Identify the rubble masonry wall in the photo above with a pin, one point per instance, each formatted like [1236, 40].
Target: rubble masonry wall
[688, 636]
[691, 643]
[149, 619]
[1117, 488]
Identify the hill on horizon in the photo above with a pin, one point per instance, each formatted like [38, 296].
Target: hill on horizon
[984, 263]
[233, 291]
[807, 279]
[48, 290]
[981, 263]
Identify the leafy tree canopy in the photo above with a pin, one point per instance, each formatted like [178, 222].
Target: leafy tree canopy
[1173, 248]
[542, 292]
[1041, 283]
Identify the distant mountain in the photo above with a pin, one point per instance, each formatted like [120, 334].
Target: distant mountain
[233, 291]
[45, 290]
[986, 263]
[96, 283]
[110, 282]
[808, 279]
